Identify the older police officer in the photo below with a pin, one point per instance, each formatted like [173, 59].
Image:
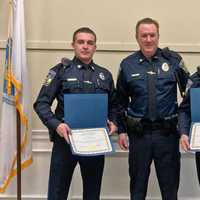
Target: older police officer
[81, 75]
[185, 118]
[147, 91]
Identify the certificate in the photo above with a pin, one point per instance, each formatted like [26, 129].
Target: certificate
[195, 137]
[92, 141]
[87, 115]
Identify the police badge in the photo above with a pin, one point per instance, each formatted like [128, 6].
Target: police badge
[101, 76]
[165, 67]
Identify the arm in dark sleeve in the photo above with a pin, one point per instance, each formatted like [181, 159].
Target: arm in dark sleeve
[112, 103]
[122, 99]
[45, 99]
[184, 115]
[182, 77]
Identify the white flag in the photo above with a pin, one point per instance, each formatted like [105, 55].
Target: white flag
[16, 95]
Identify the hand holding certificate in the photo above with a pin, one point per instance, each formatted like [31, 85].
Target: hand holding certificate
[86, 115]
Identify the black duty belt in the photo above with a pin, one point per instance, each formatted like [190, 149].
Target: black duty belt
[139, 124]
[169, 123]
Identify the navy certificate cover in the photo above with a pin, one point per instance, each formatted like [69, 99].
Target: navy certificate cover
[195, 118]
[195, 104]
[86, 110]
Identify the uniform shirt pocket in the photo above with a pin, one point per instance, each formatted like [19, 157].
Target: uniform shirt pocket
[166, 81]
[137, 83]
[71, 86]
[102, 87]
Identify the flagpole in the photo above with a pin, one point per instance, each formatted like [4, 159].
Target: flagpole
[18, 156]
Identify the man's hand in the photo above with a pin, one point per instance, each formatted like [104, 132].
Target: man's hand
[184, 141]
[123, 141]
[63, 130]
[112, 127]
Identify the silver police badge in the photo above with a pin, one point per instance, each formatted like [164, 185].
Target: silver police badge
[101, 76]
[165, 67]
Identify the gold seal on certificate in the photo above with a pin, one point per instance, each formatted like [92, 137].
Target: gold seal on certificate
[195, 136]
[90, 142]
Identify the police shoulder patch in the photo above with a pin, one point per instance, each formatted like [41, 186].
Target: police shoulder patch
[50, 76]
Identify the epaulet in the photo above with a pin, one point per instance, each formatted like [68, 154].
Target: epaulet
[167, 53]
[66, 62]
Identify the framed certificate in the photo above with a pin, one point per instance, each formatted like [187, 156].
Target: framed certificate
[89, 142]
[195, 137]
[87, 114]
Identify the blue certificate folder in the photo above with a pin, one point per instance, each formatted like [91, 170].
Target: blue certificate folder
[195, 104]
[195, 108]
[86, 110]
[83, 111]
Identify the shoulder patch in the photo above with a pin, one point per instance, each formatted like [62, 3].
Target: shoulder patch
[50, 76]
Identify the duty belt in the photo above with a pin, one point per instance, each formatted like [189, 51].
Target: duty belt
[140, 124]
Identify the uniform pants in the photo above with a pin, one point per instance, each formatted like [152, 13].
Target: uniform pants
[63, 163]
[197, 156]
[159, 146]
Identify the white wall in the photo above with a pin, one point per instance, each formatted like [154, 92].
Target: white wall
[50, 25]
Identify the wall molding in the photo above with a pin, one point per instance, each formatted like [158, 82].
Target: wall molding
[42, 136]
[104, 46]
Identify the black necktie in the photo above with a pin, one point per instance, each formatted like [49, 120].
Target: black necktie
[152, 108]
[87, 76]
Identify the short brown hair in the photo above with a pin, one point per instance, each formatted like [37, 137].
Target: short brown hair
[84, 30]
[146, 21]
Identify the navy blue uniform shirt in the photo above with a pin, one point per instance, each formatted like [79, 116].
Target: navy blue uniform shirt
[133, 89]
[184, 109]
[73, 77]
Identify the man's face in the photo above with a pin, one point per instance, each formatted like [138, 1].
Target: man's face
[148, 38]
[84, 47]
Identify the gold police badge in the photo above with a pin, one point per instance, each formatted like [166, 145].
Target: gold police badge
[165, 67]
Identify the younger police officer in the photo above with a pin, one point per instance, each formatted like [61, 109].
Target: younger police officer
[147, 90]
[185, 119]
[81, 75]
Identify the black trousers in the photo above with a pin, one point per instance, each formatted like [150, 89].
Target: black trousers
[197, 157]
[162, 147]
[63, 163]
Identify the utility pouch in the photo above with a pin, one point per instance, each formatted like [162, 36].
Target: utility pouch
[134, 125]
[171, 123]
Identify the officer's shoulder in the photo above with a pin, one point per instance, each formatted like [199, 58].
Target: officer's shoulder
[195, 77]
[170, 54]
[64, 63]
[130, 59]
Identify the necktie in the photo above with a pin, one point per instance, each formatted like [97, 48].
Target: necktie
[152, 108]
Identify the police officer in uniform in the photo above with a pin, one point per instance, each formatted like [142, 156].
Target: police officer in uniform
[185, 118]
[81, 75]
[147, 91]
